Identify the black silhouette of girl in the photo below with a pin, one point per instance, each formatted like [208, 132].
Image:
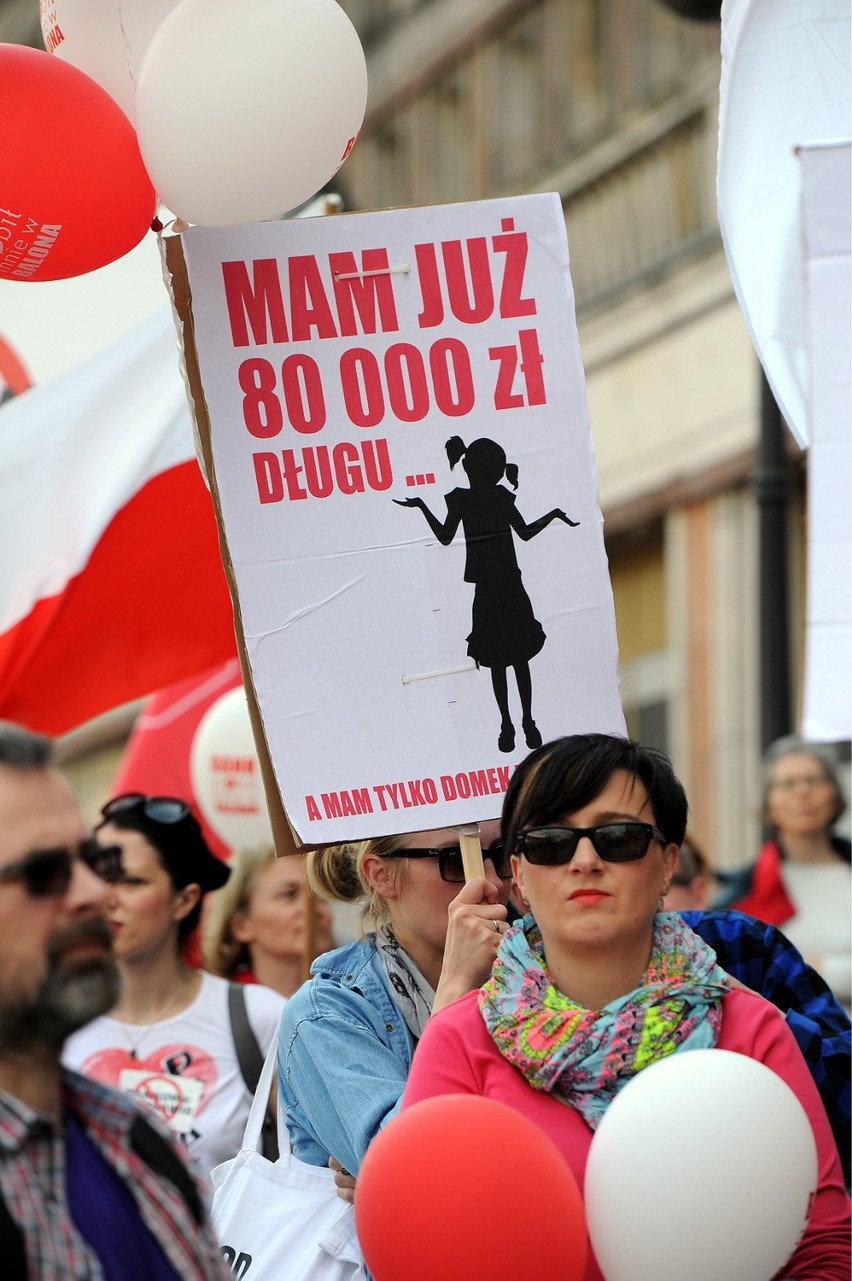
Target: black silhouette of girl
[505, 632]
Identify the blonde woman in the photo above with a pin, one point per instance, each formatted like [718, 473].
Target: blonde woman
[347, 1038]
[256, 926]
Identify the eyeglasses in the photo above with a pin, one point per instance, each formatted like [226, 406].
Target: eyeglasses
[47, 873]
[809, 781]
[613, 842]
[451, 866]
[157, 809]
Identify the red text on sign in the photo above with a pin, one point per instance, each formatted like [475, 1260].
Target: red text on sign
[404, 385]
[474, 278]
[335, 302]
[317, 471]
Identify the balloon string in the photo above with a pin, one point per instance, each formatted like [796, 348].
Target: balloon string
[126, 39]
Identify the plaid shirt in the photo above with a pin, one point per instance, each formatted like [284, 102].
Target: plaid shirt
[32, 1187]
[765, 960]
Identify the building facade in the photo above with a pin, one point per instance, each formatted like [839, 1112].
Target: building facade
[614, 105]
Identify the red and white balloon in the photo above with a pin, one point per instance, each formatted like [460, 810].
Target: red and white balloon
[74, 193]
[225, 774]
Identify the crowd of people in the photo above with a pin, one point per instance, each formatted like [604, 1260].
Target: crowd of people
[584, 953]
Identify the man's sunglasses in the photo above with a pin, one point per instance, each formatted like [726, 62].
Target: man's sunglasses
[47, 873]
[613, 842]
[450, 863]
[157, 809]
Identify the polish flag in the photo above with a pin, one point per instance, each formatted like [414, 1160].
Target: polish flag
[111, 581]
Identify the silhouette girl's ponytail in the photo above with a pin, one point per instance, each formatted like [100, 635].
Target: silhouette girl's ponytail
[456, 449]
[482, 453]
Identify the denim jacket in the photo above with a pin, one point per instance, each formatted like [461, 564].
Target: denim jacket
[344, 1053]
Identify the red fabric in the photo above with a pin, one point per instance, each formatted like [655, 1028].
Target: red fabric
[151, 607]
[768, 899]
[456, 1055]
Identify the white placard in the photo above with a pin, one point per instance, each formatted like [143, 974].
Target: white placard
[827, 220]
[338, 357]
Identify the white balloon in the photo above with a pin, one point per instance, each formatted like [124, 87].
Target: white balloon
[105, 38]
[702, 1167]
[225, 773]
[785, 82]
[244, 110]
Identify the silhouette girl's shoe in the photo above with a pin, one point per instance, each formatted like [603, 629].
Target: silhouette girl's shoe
[506, 741]
[531, 733]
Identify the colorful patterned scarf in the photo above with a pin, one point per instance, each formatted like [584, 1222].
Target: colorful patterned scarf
[585, 1056]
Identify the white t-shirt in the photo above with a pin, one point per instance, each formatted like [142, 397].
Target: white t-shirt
[185, 1067]
[822, 926]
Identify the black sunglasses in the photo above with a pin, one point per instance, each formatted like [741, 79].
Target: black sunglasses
[451, 865]
[613, 842]
[47, 873]
[157, 809]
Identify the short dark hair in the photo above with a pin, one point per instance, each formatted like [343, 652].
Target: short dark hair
[21, 748]
[570, 772]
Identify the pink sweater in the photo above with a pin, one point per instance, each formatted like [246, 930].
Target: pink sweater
[456, 1055]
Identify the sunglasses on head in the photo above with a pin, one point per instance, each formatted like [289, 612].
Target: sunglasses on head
[613, 842]
[451, 865]
[47, 873]
[157, 809]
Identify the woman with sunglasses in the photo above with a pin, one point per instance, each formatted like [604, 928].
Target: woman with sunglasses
[169, 1039]
[348, 1035]
[595, 983]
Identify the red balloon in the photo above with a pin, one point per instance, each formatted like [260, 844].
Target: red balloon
[460, 1186]
[74, 193]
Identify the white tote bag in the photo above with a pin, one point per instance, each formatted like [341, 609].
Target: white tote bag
[281, 1221]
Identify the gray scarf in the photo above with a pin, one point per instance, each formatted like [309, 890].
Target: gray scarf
[411, 992]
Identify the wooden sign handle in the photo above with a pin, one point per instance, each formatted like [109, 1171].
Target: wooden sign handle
[471, 850]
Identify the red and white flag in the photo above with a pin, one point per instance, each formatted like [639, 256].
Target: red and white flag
[111, 581]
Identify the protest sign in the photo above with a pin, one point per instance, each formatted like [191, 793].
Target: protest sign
[386, 394]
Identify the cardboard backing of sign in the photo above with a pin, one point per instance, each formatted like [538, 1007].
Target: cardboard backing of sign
[286, 840]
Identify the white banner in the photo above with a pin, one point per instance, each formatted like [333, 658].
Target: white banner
[827, 221]
[387, 393]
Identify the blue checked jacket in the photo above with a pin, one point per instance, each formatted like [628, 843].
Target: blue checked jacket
[765, 960]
